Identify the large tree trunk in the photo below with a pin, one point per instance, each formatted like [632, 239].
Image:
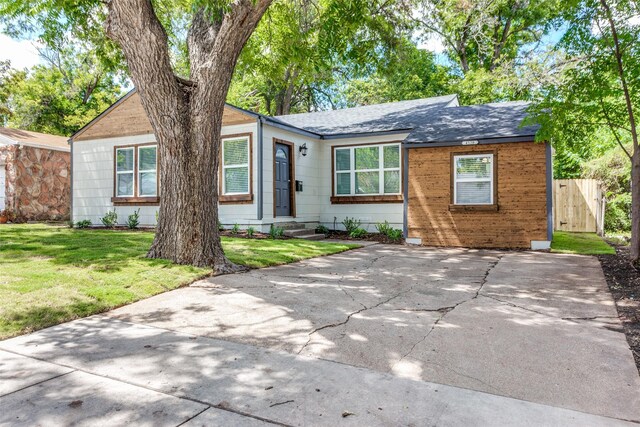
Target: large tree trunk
[186, 116]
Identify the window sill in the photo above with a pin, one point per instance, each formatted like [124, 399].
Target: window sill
[129, 201]
[354, 200]
[236, 199]
[473, 208]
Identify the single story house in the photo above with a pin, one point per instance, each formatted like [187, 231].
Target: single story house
[448, 175]
[35, 175]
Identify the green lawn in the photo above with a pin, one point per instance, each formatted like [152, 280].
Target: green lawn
[51, 274]
[580, 243]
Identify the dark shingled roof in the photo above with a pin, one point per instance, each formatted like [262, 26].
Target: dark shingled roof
[487, 121]
[392, 116]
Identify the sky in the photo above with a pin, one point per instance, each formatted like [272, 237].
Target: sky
[21, 53]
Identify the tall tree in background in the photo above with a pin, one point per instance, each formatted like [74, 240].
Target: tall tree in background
[595, 100]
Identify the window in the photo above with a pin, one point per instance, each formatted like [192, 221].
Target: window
[367, 170]
[136, 171]
[124, 172]
[473, 179]
[235, 166]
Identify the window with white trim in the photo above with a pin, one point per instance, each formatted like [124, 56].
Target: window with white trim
[473, 179]
[136, 171]
[125, 174]
[148, 171]
[367, 170]
[235, 166]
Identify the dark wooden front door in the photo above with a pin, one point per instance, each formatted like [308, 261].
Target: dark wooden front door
[282, 185]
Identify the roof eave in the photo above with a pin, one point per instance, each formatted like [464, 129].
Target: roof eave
[471, 141]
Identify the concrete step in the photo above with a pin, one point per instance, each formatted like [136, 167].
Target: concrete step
[311, 236]
[297, 232]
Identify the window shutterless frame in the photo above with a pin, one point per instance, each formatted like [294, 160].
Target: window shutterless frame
[374, 197]
[142, 171]
[123, 172]
[246, 165]
[134, 198]
[235, 199]
[493, 179]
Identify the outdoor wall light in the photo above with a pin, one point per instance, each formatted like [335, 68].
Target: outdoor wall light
[303, 149]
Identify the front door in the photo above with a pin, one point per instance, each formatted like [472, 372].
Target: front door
[282, 180]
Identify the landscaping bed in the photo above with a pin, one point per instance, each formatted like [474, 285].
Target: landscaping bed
[624, 282]
[373, 237]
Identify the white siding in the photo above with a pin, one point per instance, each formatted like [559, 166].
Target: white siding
[93, 165]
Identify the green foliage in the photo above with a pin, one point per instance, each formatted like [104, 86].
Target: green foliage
[220, 226]
[395, 235]
[251, 231]
[617, 216]
[110, 219]
[276, 232]
[235, 229]
[321, 229]
[357, 233]
[350, 224]
[384, 228]
[84, 223]
[133, 220]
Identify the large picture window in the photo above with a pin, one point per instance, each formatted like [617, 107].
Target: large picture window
[235, 166]
[136, 171]
[473, 181]
[367, 170]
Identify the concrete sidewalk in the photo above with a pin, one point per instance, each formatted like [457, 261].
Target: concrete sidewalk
[102, 371]
[384, 335]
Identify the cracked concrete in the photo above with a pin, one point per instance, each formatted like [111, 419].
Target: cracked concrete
[532, 326]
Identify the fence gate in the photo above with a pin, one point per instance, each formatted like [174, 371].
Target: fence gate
[578, 205]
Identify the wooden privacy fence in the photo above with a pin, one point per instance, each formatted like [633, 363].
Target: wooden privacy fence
[578, 205]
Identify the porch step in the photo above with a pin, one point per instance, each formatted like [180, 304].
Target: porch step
[303, 233]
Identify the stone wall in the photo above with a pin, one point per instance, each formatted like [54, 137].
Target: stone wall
[38, 183]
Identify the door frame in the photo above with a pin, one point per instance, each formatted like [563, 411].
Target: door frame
[292, 175]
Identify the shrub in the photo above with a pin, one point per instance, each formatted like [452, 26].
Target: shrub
[351, 224]
[384, 228]
[85, 223]
[110, 219]
[276, 232]
[358, 233]
[133, 220]
[395, 235]
[235, 229]
[220, 226]
[321, 229]
[617, 216]
[251, 231]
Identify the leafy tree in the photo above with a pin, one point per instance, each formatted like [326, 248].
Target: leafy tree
[9, 79]
[63, 95]
[595, 100]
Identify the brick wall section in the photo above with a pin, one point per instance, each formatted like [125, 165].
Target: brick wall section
[521, 196]
[38, 184]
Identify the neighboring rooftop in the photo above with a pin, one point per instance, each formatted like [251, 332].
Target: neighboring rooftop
[487, 121]
[392, 116]
[33, 139]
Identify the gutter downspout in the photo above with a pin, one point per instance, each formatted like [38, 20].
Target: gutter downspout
[405, 190]
[71, 180]
[260, 168]
[549, 164]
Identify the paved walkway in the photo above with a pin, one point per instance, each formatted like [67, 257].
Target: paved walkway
[384, 335]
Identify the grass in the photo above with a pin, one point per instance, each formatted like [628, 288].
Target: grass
[51, 274]
[580, 243]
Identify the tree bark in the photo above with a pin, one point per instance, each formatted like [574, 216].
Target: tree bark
[186, 116]
[635, 158]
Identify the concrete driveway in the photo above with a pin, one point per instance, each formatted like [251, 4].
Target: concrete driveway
[383, 335]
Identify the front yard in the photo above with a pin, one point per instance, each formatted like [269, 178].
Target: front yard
[51, 274]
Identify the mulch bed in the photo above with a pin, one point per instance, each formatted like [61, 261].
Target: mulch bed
[373, 237]
[624, 282]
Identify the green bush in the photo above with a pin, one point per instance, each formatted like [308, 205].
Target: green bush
[251, 231]
[133, 220]
[110, 219]
[395, 235]
[220, 226]
[276, 232]
[85, 223]
[384, 228]
[358, 233]
[617, 216]
[235, 229]
[351, 224]
[321, 229]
